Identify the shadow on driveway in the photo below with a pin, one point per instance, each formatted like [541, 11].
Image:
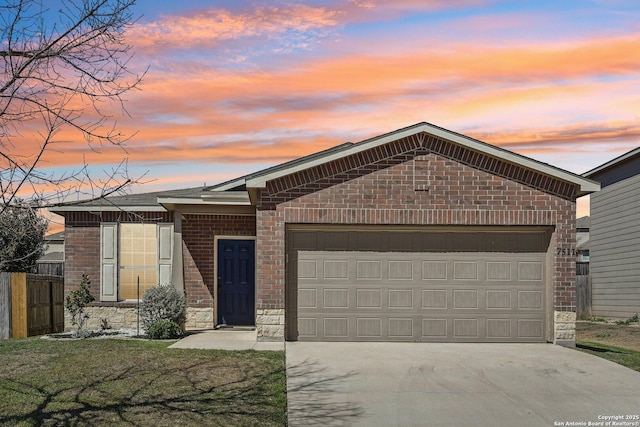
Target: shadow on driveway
[318, 398]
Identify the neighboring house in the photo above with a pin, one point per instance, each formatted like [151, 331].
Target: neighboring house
[583, 224]
[615, 237]
[52, 261]
[421, 234]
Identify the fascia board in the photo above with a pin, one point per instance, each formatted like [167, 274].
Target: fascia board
[260, 181]
[233, 198]
[114, 208]
[228, 185]
[612, 162]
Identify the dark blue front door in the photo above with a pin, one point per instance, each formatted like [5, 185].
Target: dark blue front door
[236, 282]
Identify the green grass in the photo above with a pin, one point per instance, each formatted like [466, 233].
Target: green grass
[622, 356]
[135, 382]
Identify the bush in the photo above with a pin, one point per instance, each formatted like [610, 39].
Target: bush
[163, 302]
[164, 330]
[76, 302]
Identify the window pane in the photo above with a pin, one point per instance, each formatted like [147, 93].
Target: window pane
[129, 282]
[138, 259]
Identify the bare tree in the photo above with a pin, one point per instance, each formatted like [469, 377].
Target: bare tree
[65, 70]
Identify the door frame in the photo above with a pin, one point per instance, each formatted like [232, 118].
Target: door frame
[215, 273]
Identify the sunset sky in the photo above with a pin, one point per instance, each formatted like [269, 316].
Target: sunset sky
[236, 86]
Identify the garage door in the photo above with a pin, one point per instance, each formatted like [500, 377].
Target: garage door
[459, 295]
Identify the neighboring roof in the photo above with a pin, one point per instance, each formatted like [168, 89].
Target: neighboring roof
[618, 169]
[583, 222]
[59, 236]
[585, 186]
[52, 257]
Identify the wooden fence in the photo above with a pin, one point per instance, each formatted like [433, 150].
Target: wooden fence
[30, 304]
[583, 290]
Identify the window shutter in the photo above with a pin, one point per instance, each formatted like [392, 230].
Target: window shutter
[165, 246]
[109, 262]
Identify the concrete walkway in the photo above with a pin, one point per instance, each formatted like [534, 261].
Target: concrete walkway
[404, 384]
[227, 339]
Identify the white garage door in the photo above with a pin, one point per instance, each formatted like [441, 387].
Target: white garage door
[373, 296]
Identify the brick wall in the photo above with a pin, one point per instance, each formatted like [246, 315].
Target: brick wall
[198, 232]
[82, 243]
[384, 186]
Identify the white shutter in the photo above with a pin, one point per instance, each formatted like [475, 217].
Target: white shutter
[165, 246]
[108, 262]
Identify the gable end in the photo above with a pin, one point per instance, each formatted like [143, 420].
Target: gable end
[344, 169]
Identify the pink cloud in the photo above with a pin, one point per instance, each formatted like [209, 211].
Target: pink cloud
[211, 27]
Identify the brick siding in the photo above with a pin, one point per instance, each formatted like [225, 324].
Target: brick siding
[369, 188]
[82, 234]
[82, 243]
[198, 232]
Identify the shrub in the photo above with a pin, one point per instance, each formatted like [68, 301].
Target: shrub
[164, 330]
[76, 302]
[163, 302]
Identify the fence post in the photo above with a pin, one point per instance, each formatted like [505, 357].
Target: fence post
[18, 305]
[5, 305]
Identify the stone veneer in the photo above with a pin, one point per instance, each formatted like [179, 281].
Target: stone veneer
[127, 318]
[565, 328]
[270, 324]
[199, 318]
[117, 317]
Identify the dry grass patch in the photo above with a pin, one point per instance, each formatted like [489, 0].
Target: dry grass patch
[133, 382]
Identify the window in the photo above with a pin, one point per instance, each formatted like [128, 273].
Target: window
[133, 252]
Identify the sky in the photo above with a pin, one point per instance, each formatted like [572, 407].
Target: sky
[235, 86]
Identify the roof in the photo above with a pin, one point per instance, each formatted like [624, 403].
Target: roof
[131, 202]
[318, 156]
[622, 167]
[613, 163]
[583, 222]
[52, 257]
[55, 236]
[585, 186]
[235, 192]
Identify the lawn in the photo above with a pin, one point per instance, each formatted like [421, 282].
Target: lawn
[137, 382]
[617, 343]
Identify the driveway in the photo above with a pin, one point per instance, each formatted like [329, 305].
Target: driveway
[404, 384]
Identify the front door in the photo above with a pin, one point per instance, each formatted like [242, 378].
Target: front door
[236, 282]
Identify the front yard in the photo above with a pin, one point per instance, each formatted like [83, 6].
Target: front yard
[136, 382]
[618, 343]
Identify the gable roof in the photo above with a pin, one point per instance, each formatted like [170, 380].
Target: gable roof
[585, 186]
[235, 191]
[618, 169]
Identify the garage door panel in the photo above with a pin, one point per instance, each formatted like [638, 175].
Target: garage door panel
[498, 299]
[499, 328]
[368, 298]
[434, 270]
[453, 297]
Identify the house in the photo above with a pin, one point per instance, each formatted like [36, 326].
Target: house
[52, 260]
[614, 242]
[583, 224]
[421, 234]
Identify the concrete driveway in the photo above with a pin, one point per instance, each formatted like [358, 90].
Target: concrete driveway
[403, 384]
